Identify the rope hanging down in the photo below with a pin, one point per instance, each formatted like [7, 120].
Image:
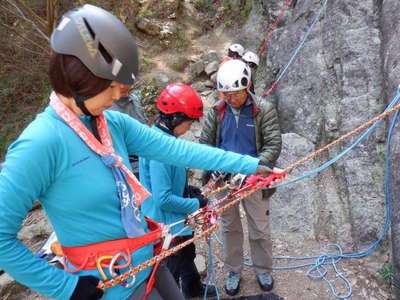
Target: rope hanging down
[206, 217]
[264, 45]
[296, 52]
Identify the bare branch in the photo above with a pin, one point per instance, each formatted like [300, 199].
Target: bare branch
[39, 28]
[51, 15]
[25, 38]
[29, 50]
[10, 11]
[34, 31]
[34, 17]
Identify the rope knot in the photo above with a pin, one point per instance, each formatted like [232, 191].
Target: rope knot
[109, 160]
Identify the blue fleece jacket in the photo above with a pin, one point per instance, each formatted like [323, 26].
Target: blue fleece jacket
[166, 183]
[49, 162]
[238, 133]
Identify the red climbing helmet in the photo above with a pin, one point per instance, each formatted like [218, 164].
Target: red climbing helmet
[178, 97]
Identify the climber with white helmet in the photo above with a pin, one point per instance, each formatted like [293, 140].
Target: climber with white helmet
[252, 60]
[235, 51]
[244, 124]
[74, 158]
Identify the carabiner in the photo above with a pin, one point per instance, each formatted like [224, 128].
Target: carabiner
[100, 267]
[111, 268]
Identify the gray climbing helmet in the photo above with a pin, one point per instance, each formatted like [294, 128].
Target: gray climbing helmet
[100, 41]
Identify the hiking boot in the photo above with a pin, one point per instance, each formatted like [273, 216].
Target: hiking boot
[232, 284]
[211, 292]
[265, 281]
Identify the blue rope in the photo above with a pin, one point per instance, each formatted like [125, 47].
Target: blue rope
[212, 278]
[301, 45]
[333, 259]
[344, 152]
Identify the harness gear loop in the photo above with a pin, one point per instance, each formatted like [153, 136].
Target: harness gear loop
[81, 266]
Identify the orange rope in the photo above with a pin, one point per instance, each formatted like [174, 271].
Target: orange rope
[235, 200]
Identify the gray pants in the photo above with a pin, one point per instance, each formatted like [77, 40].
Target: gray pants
[164, 288]
[256, 209]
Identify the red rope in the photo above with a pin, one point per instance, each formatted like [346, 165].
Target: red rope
[273, 86]
[274, 26]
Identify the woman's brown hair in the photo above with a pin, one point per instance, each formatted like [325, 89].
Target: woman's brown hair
[70, 77]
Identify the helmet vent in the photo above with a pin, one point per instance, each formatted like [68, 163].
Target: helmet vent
[236, 84]
[245, 72]
[89, 28]
[107, 57]
[244, 81]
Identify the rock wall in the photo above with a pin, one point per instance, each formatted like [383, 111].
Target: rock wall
[339, 80]
[390, 25]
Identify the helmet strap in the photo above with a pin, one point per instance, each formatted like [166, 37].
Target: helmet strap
[79, 99]
[171, 121]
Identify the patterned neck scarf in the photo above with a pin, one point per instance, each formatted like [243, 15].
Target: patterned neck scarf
[130, 192]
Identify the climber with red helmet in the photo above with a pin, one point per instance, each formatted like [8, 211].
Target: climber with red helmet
[172, 199]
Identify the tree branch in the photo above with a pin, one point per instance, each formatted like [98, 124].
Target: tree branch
[25, 38]
[40, 27]
[51, 15]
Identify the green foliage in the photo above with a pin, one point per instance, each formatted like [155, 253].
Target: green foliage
[149, 91]
[147, 12]
[145, 64]
[178, 63]
[7, 87]
[182, 42]
[20, 100]
[228, 24]
[387, 273]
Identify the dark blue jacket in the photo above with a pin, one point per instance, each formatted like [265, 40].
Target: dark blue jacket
[238, 133]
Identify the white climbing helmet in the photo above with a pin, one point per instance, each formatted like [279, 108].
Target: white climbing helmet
[232, 76]
[237, 48]
[251, 57]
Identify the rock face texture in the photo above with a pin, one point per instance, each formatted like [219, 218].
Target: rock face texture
[344, 75]
[390, 25]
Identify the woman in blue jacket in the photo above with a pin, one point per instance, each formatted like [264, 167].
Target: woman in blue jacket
[74, 158]
[172, 199]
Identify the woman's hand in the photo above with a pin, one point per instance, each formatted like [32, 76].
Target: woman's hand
[280, 179]
[265, 170]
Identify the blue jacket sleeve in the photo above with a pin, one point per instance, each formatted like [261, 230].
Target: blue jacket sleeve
[27, 172]
[146, 142]
[161, 182]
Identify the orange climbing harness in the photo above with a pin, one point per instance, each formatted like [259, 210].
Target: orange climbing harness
[87, 257]
[108, 254]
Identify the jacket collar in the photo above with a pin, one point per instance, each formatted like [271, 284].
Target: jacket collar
[221, 106]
